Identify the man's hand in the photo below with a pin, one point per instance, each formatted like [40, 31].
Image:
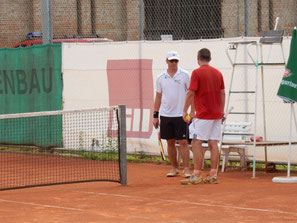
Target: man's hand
[156, 122]
[192, 114]
[223, 118]
[186, 117]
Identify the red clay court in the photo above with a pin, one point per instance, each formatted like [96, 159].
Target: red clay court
[151, 197]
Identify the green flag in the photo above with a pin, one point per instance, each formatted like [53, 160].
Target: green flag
[288, 86]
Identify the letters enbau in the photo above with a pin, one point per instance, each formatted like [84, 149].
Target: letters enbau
[22, 82]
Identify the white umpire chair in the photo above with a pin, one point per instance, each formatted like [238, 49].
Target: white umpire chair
[233, 132]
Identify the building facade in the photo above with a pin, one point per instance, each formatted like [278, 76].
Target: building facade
[121, 20]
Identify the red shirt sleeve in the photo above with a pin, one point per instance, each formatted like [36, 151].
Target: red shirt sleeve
[194, 81]
[222, 82]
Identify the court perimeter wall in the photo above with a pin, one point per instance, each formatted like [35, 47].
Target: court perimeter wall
[106, 74]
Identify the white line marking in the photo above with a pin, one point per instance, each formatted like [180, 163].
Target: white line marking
[195, 203]
[42, 205]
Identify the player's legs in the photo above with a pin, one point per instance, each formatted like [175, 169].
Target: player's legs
[198, 159]
[181, 134]
[172, 153]
[185, 152]
[197, 156]
[213, 145]
[199, 131]
[205, 130]
[214, 156]
[167, 132]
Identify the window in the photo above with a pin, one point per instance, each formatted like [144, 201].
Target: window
[183, 19]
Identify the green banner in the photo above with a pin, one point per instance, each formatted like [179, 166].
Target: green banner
[288, 86]
[31, 81]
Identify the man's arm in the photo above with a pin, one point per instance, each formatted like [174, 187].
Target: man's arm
[157, 105]
[189, 101]
[222, 100]
[193, 111]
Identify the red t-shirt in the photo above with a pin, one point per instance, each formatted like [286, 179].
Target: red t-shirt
[207, 82]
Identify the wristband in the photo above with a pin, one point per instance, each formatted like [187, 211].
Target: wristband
[156, 114]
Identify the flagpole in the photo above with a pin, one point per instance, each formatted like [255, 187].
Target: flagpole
[294, 118]
[286, 93]
[288, 179]
[290, 142]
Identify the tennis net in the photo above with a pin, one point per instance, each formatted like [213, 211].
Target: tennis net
[55, 147]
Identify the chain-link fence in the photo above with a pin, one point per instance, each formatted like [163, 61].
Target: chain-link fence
[122, 20]
[125, 72]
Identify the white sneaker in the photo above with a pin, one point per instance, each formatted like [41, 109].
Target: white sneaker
[173, 172]
[193, 180]
[186, 173]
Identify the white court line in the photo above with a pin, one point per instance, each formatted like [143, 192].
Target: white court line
[195, 203]
[42, 205]
[73, 209]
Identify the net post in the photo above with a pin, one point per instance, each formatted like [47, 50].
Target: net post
[123, 145]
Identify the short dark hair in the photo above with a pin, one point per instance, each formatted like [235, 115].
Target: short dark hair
[204, 55]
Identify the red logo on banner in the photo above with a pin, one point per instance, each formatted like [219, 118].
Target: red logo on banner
[130, 82]
[287, 73]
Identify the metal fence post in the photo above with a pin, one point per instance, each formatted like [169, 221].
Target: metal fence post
[47, 22]
[123, 145]
[246, 17]
[141, 19]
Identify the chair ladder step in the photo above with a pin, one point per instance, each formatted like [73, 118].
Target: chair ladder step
[242, 113]
[242, 92]
[236, 155]
[239, 133]
[272, 64]
[259, 64]
[243, 64]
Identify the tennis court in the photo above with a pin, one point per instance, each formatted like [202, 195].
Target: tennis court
[151, 197]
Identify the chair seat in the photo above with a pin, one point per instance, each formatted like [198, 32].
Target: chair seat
[226, 150]
[233, 131]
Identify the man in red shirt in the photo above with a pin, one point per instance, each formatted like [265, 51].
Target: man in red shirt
[207, 89]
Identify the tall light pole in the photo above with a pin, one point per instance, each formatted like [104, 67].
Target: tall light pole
[47, 21]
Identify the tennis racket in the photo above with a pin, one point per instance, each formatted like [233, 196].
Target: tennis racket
[161, 147]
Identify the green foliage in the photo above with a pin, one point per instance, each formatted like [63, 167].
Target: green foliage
[91, 155]
[109, 152]
[81, 141]
[142, 155]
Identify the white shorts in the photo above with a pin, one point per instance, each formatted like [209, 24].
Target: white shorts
[205, 129]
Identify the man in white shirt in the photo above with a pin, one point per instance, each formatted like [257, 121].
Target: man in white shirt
[171, 89]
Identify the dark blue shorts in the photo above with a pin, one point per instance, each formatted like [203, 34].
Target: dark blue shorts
[173, 128]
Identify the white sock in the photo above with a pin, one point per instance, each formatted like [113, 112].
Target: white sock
[197, 173]
[213, 171]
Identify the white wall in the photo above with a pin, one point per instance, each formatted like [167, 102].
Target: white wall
[86, 83]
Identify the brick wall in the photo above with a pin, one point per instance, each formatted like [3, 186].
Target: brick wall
[233, 20]
[19, 17]
[36, 15]
[111, 19]
[132, 9]
[15, 21]
[119, 19]
[287, 14]
[65, 17]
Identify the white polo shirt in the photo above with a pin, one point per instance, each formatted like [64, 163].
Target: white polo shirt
[173, 90]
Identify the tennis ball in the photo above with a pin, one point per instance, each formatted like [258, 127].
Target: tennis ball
[188, 117]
